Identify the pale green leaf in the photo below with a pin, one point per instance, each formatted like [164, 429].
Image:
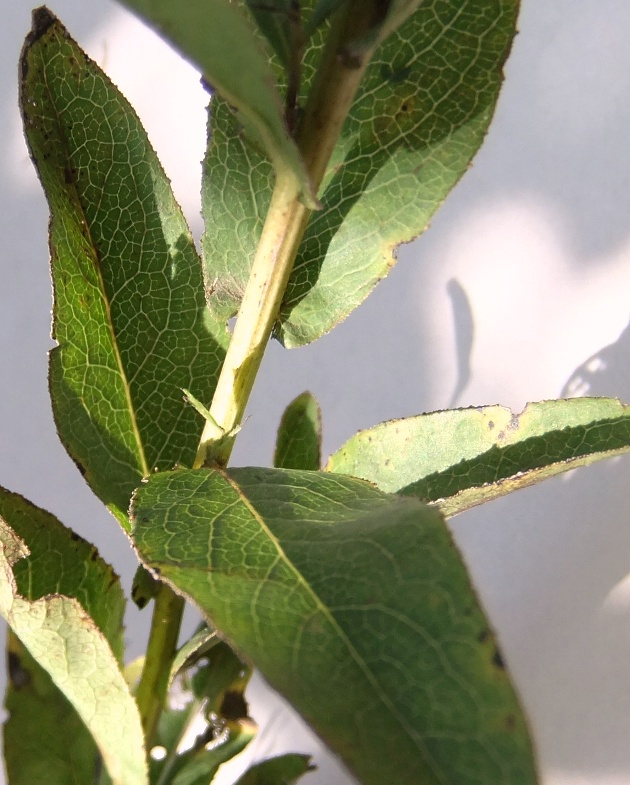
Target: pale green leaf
[217, 37]
[356, 606]
[420, 115]
[65, 641]
[299, 440]
[129, 310]
[462, 457]
[41, 719]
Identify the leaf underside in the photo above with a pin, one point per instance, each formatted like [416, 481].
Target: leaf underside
[220, 39]
[419, 117]
[321, 579]
[129, 313]
[459, 458]
[65, 605]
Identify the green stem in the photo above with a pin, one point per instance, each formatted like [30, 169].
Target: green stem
[151, 692]
[330, 99]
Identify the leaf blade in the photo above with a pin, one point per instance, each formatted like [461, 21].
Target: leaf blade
[281, 770]
[45, 600]
[39, 725]
[420, 115]
[327, 568]
[219, 38]
[459, 458]
[129, 313]
[299, 439]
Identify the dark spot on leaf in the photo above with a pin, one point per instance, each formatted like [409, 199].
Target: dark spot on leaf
[483, 636]
[510, 722]
[498, 660]
[18, 676]
[74, 536]
[395, 75]
[490, 425]
[233, 706]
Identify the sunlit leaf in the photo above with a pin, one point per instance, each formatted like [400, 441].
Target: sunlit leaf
[129, 310]
[219, 39]
[41, 720]
[48, 599]
[356, 606]
[462, 457]
[420, 115]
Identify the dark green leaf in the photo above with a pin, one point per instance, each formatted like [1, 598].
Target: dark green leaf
[129, 310]
[299, 441]
[356, 606]
[47, 600]
[463, 457]
[283, 770]
[195, 648]
[420, 115]
[279, 21]
[220, 40]
[320, 13]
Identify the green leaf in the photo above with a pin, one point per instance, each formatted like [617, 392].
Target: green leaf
[42, 601]
[282, 770]
[129, 311]
[394, 13]
[198, 646]
[217, 37]
[462, 457]
[320, 13]
[41, 721]
[420, 115]
[299, 442]
[356, 606]
[279, 21]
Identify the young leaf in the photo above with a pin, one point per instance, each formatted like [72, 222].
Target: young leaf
[129, 311]
[219, 38]
[419, 117]
[299, 441]
[462, 457]
[200, 644]
[356, 606]
[47, 603]
[282, 770]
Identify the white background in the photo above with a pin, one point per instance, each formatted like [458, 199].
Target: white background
[529, 259]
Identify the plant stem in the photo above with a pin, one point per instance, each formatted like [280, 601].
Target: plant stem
[151, 693]
[329, 101]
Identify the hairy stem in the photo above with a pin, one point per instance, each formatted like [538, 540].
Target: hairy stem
[151, 692]
[329, 101]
